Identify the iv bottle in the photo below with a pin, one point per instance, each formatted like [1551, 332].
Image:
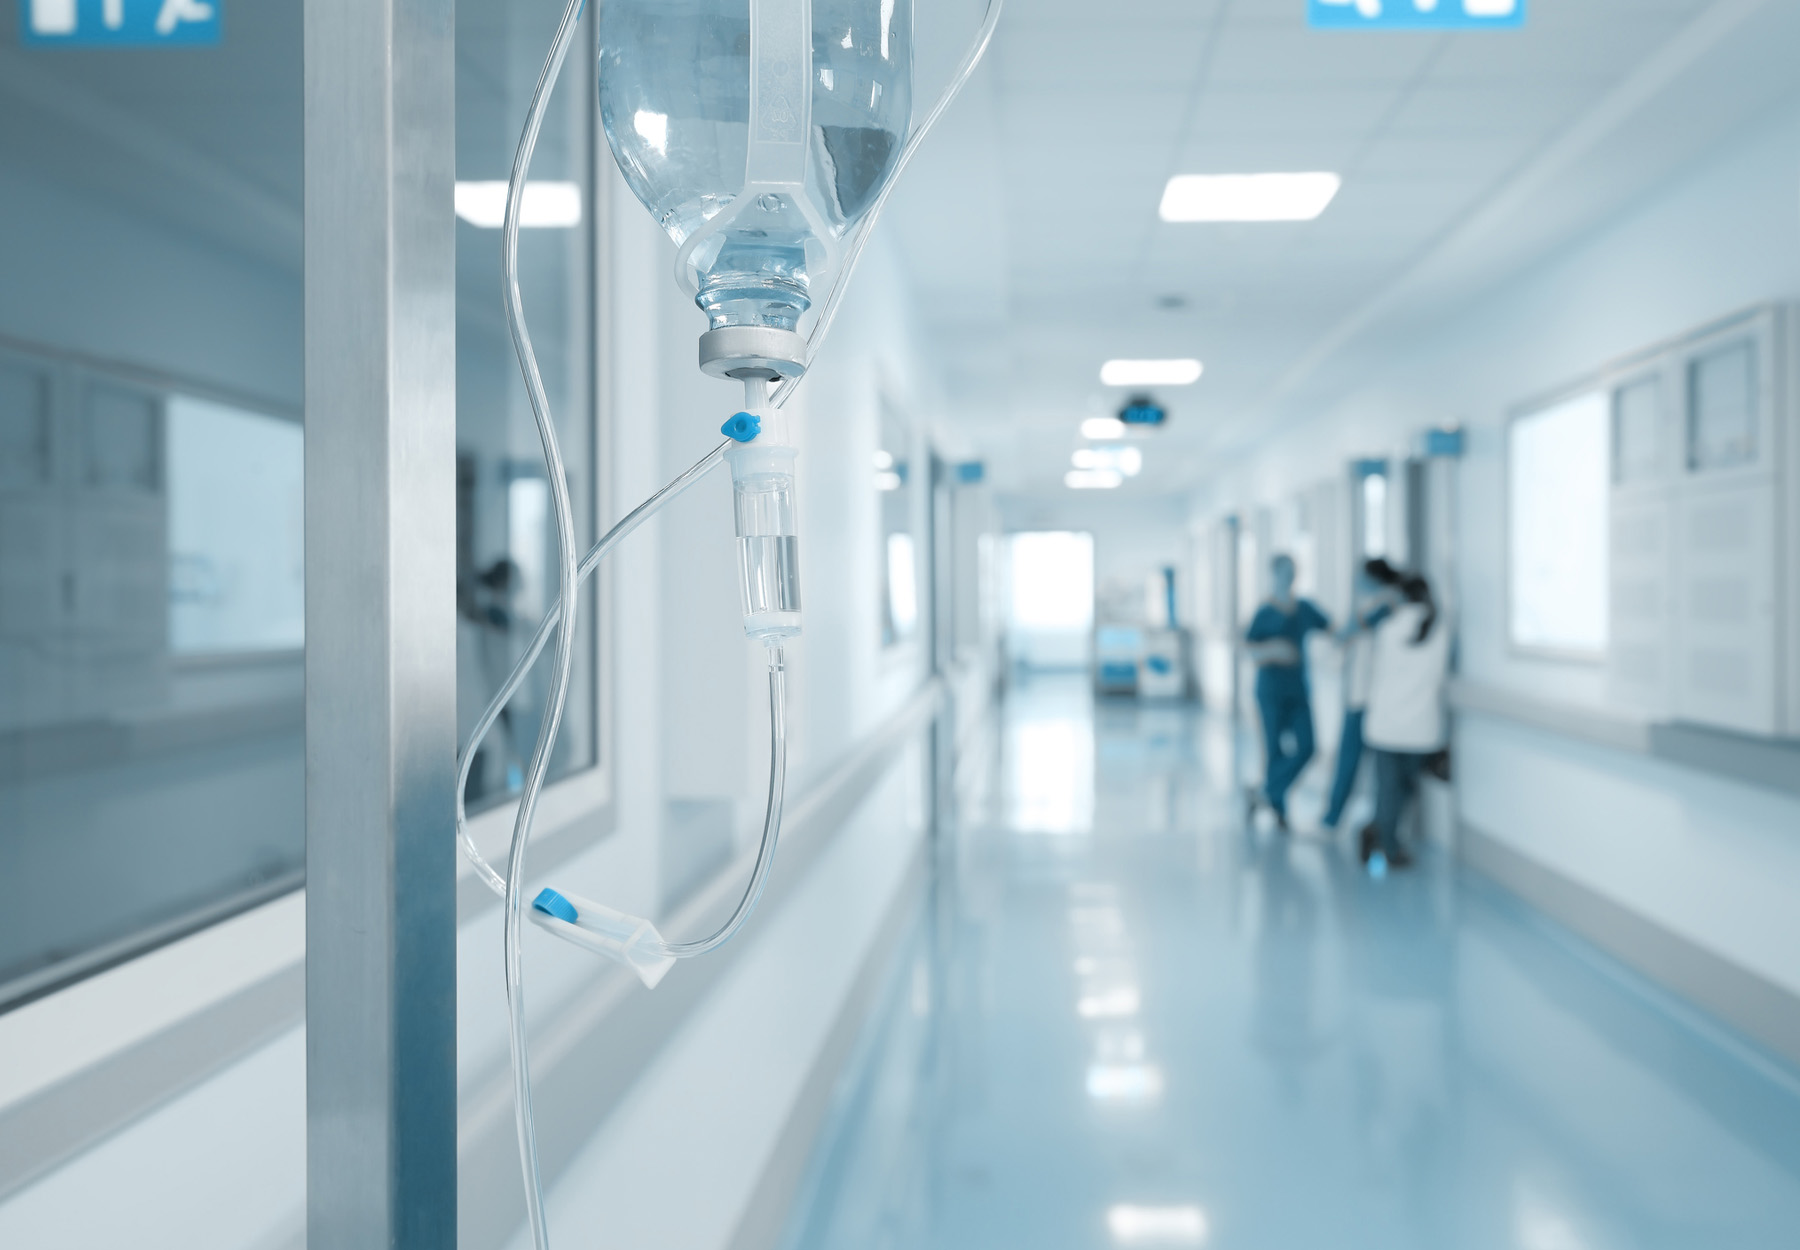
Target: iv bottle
[757, 133]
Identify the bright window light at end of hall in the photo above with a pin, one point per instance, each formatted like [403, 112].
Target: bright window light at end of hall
[1150, 372]
[547, 205]
[1247, 197]
[1109, 1004]
[1126, 1083]
[1093, 479]
[1131, 1225]
[1101, 429]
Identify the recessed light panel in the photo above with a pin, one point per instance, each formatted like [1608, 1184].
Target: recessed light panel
[546, 204]
[1150, 372]
[1101, 429]
[1093, 479]
[1247, 197]
[1132, 1225]
[1126, 460]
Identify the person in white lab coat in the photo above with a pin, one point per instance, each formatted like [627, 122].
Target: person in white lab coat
[1405, 723]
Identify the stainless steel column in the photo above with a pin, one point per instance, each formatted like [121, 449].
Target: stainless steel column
[380, 624]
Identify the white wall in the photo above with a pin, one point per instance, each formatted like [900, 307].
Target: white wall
[1714, 861]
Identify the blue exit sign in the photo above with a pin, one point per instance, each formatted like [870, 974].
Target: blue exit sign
[120, 23]
[1415, 14]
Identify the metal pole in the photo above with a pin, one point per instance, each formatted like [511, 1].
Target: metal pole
[380, 624]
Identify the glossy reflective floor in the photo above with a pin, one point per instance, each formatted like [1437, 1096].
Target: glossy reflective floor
[1125, 1019]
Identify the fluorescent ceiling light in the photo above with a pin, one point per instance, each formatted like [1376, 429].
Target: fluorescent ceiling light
[1101, 429]
[887, 479]
[1156, 1226]
[1126, 460]
[1247, 197]
[1108, 1004]
[1149, 372]
[546, 204]
[1124, 1082]
[1092, 479]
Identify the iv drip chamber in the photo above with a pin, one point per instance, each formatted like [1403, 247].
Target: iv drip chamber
[762, 478]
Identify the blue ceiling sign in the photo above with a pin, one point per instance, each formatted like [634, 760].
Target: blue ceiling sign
[120, 23]
[1142, 410]
[1415, 14]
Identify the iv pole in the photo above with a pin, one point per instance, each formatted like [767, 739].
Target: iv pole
[380, 108]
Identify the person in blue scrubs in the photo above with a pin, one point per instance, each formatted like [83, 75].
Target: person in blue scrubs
[1376, 595]
[1277, 642]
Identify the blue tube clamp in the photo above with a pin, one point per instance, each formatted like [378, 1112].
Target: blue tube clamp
[743, 427]
[553, 904]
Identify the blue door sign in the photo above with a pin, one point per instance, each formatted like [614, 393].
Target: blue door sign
[1415, 14]
[120, 23]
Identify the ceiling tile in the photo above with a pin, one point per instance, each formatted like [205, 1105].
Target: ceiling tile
[1221, 151]
[1327, 110]
[1267, 57]
[1435, 108]
[1136, 55]
[1081, 118]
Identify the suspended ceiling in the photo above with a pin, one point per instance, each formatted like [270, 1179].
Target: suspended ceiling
[1029, 222]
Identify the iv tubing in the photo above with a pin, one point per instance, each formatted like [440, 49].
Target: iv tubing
[636, 517]
[563, 665]
[852, 254]
[563, 619]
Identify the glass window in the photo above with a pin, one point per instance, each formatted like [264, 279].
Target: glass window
[237, 547]
[1637, 431]
[1722, 405]
[152, 755]
[506, 537]
[1052, 581]
[1374, 516]
[1558, 470]
[899, 563]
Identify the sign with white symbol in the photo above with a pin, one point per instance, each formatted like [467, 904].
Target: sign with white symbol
[99, 23]
[1415, 14]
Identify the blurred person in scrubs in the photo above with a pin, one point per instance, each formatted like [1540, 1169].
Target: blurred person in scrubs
[1277, 642]
[1405, 723]
[1376, 593]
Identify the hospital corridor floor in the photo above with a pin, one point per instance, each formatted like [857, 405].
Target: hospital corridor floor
[1126, 1018]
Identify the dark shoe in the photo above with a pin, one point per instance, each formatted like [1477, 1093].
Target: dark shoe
[1399, 858]
[1365, 842]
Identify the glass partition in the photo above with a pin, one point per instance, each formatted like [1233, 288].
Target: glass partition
[506, 540]
[1722, 407]
[151, 607]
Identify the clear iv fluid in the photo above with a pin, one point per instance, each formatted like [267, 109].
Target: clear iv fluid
[768, 549]
[675, 102]
[769, 568]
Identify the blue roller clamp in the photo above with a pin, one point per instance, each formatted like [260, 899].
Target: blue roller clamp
[553, 904]
[743, 427]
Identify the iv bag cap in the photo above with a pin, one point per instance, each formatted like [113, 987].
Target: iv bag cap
[743, 427]
[740, 352]
[553, 904]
